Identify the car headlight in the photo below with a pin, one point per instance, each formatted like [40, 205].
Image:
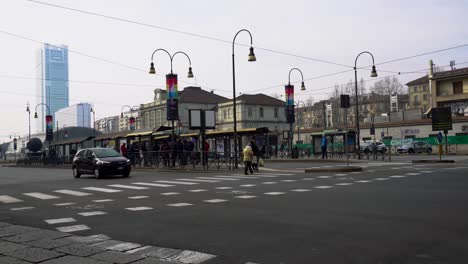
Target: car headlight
[101, 162]
[128, 161]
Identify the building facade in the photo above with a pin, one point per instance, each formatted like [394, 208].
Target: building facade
[52, 86]
[78, 115]
[450, 89]
[108, 124]
[419, 94]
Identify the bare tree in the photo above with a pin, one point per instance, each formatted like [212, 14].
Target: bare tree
[362, 86]
[387, 86]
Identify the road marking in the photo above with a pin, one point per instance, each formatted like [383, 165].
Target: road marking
[22, 208]
[198, 190]
[247, 185]
[274, 193]
[179, 204]
[60, 220]
[123, 246]
[239, 177]
[245, 196]
[139, 208]
[73, 228]
[309, 179]
[274, 174]
[427, 171]
[323, 187]
[323, 177]
[170, 193]
[138, 197]
[413, 173]
[215, 201]
[344, 183]
[218, 178]
[198, 180]
[397, 176]
[9, 199]
[103, 201]
[301, 190]
[363, 181]
[41, 196]
[269, 182]
[355, 172]
[152, 184]
[223, 188]
[92, 213]
[341, 174]
[74, 193]
[371, 171]
[381, 179]
[98, 189]
[63, 204]
[288, 180]
[128, 187]
[178, 182]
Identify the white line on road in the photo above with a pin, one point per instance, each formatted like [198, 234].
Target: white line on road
[74, 193]
[323, 177]
[41, 196]
[413, 173]
[9, 199]
[363, 181]
[152, 184]
[274, 193]
[73, 228]
[92, 213]
[381, 179]
[178, 182]
[323, 187]
[218, 178]
[247, 185]
[198, 190]
[127, 187]
[170, 193]
[63, 204]
[138, 197]
[301, 190]
[198, 180]
[139, 208]
[308, 179]
[245, 196]
[103, 201]
[397, 176]
[22, 208]
[223, 188]
[269, 182]
[238, 177]
[123, 246]
[341, 174]
[179, 204]
[60, 220]
[215, 201]
[344, 183]
[288, 180]
[98, 189]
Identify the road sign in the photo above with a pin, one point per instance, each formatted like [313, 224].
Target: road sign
[441, 118]
[344, 101]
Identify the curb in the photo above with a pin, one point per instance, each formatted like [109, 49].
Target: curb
[335, 169]
[312, 161]
[433, 161]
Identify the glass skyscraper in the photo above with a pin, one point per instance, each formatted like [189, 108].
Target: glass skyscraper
[52, 87]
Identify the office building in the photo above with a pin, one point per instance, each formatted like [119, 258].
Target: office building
[78, 115]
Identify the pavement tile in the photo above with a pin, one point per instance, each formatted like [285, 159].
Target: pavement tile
[9, 246]
[155, 261]
[191, 257]
[143, 251]
[74, 260]
[33, 254]
[36, 235]
[116, 257]
[10, 260]
[15, 230]
[87, 239]
[124, 246]
[79, 250]
[107, 244]
[49, 243]
[163, 253]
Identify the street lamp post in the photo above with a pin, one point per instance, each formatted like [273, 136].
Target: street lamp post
[250, 58]
[373, 74]
[48, 113]
[94, 120]
[302, 89]
[171, 57]
[29, 122]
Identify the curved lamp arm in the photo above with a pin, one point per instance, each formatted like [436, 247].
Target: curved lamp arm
[152, 70]
[251, 54]
[48, 109]
[373, 72]
[302, 76]
[190, 73]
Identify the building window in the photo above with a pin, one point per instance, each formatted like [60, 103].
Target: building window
[261, 112]
[229, 113]
[415, 89]
[224, 114]
[276, 113]
[424, 88]
[457, 87]
[416, 99]
[425, 97]
[249, 111]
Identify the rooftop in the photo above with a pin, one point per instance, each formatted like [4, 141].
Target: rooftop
[258, 99]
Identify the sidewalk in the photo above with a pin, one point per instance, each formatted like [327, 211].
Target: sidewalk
[24, 245]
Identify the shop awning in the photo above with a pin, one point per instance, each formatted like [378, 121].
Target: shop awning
[141, 133]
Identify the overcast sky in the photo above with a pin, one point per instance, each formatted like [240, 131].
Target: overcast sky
[331, 30]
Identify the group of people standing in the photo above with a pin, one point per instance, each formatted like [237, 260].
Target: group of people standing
[250, 152]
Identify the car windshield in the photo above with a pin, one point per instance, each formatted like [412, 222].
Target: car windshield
[106, 153]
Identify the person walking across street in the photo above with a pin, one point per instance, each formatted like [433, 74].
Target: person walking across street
[324, 147]
[248, 157]
[123, 150]
[256, 152]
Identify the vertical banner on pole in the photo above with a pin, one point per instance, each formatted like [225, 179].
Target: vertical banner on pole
[289, 92]
[172, 91]
[131, 122]
[49, 128]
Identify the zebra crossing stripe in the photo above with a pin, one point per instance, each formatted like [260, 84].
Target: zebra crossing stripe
[344, 183]
[215, 201]
[240, 177]
[198, 180]
[63, 204]
[21, 208]
[363, 181]
[128, 187]
[170, 193]
[103, 201]
[245, 196]
[92, 213]
[140, 208]
[178, 182]
[74, 193]
[179, 204]
[274, 193]
[247, 185]
[98, 189]
[41, 196]
[60, 220]
[218, 178]
[381, 179]
[198, 190]
[300, 190]
[288, 180]
[223, 188]
[323, 187]
[269, 182]
[138, 197]
[257, 175]
[9, 199]
[152, 184]
[397, 176]
[73, 228]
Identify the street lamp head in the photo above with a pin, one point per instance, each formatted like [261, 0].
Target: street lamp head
[252, 55]
[91, 110]
[121, 115]
[35, 114]
[27, 108]
[190, 73]
[152, 69]
[303, 88]
[374, 72]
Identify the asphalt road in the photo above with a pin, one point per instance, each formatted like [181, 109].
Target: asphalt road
[389, 213]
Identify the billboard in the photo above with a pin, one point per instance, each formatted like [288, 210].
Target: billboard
[172, 112]
[49, 128]
[289, 95]
[131, 122]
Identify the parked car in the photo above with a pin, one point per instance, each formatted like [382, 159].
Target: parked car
[368, 147]
[100, 162]
[415, 147]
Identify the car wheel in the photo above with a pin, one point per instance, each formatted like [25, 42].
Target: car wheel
[429, 151]
[97, 173]
[76, 172]
[411, 151]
